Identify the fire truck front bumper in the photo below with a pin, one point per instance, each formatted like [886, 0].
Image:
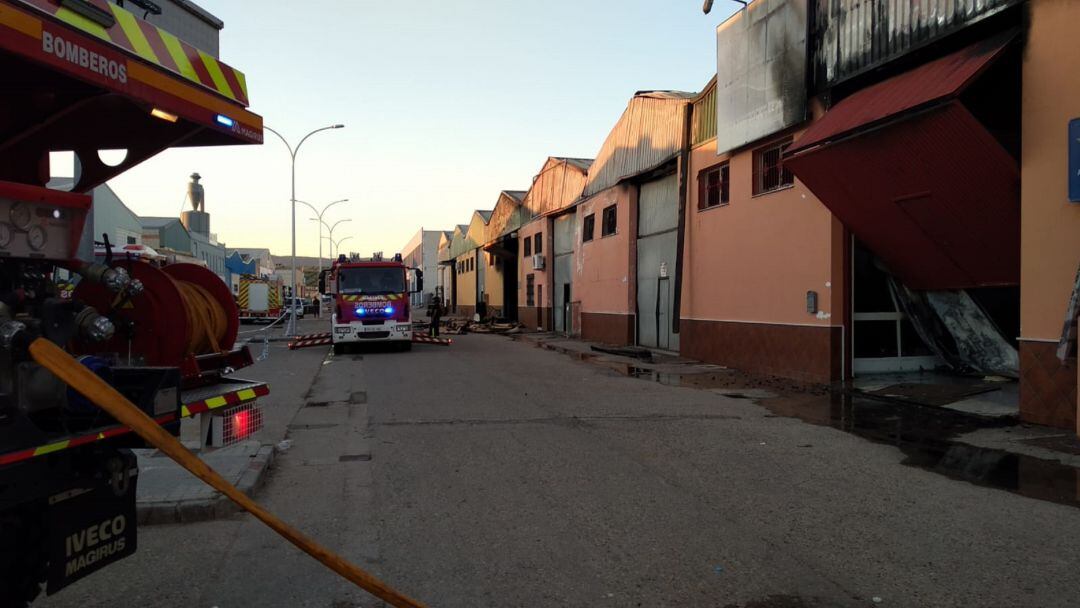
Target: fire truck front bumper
[387, 331]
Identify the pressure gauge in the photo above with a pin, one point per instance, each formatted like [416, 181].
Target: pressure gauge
[20, 215]
[36, 238]
[6, 232]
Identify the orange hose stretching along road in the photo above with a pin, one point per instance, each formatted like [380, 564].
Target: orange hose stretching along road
[55, 359]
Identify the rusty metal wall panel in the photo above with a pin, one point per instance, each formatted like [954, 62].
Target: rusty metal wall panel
[704, 115]
[760, 72]
[849, 37]
[648, 134]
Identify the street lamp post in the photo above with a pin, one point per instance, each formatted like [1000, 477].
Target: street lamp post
[321, 222]
[330, 229]
[337, 244]
[291, 329]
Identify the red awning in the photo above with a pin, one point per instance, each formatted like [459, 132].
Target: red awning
[926, 85]
[918, 179]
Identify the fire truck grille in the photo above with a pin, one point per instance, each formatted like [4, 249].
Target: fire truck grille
[373, 335]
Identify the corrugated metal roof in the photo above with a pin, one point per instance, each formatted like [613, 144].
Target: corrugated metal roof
[580, 163]
[558, 185]
[929, 83]
[850, 37]
[648, 134]
[485, 214]
[157, 222]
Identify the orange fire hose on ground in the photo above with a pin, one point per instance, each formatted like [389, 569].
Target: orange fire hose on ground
[55, 359]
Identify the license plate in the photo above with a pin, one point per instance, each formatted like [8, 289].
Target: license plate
[89, 531]
[341, 331]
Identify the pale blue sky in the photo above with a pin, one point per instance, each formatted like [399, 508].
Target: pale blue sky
[445, 104]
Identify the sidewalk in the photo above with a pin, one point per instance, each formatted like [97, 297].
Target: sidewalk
[168, 493]
[972, 444]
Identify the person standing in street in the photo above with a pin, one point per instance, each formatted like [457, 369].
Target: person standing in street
[435, 315]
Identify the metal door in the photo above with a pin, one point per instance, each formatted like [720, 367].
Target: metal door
[657, 242]
[481, 270]
[563, 260]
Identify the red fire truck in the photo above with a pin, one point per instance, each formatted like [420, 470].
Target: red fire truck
[90, 76]
[371, 301]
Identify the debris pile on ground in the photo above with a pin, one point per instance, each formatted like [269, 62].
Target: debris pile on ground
[494, 327]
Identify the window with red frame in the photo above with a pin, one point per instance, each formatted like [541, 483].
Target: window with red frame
[714, 184]
[770, 174]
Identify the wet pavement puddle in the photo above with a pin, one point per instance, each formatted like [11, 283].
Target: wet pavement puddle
[927, 437]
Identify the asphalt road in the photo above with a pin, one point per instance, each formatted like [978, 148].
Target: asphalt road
[492, 473]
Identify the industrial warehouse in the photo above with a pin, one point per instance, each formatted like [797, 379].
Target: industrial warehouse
[893, 199]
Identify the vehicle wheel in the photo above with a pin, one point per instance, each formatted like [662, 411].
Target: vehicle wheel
[23, 560]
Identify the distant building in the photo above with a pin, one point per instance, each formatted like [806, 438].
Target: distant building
[422, 251]
[165, 232]
[261, 257]
[110, 215]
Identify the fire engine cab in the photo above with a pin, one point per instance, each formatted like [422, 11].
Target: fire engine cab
[371, 301]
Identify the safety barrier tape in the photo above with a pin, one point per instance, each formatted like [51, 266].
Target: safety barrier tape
[306, 343]
[186, 411]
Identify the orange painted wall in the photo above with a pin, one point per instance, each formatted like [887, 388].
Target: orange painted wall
[604, 276]
[1050, 224]
[466, 282]
[754, 259]
[525, 267]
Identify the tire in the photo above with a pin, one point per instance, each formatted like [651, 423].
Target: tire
[23, 560]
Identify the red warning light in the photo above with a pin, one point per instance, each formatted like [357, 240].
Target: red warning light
[241, 424]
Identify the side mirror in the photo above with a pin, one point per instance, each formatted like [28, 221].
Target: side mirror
[322, 281]
[419, 280]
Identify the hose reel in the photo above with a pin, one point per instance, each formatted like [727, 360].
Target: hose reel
[183, 311]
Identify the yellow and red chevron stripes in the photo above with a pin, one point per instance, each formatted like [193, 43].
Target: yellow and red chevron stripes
[154, 45]
[188, 410]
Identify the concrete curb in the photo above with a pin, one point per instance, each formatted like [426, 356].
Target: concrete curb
[187, 511]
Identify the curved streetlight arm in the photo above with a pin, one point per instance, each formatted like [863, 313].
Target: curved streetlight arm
[283, 140]
[338, 222]
[313, 133]
[324, 209]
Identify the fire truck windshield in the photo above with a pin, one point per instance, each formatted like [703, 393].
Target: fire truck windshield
[371, 281]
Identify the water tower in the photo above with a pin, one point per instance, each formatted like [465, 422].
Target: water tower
[196, 220]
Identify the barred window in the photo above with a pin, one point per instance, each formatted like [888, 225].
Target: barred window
[770, 174]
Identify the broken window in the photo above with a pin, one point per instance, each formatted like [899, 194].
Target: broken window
[610, 221]
[713, 186]
[769, 171]
[587, 227]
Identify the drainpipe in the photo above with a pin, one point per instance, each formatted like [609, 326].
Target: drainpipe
[684, 184]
